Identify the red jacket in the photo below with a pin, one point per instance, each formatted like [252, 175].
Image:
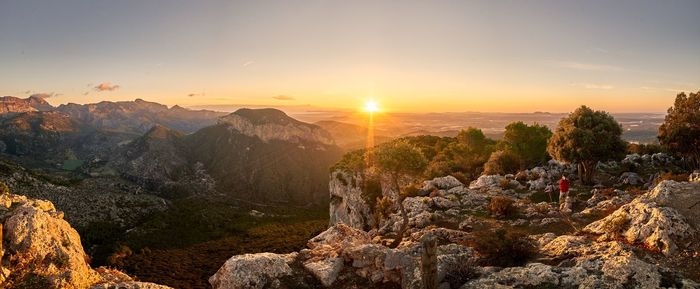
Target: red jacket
[564, 185]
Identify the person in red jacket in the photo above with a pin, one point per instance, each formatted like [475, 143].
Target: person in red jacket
[563, 191]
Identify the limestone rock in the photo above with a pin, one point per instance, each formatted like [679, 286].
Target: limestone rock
[252, 271]
[658, 219]
[442, 183]
[486, 182]
[326, 270]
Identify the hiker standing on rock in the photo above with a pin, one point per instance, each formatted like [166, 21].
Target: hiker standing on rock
[563, 193]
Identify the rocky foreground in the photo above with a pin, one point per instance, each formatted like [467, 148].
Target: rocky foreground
[41, 250]
[619, 238]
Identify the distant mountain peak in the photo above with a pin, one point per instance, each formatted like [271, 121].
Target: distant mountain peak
[159, 131]
[273, 124]
[266, 116]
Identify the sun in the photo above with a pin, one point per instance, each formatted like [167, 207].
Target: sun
[371, 106]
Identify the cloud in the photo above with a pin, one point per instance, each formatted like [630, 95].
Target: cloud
[587, 66]
[283, 97]
[593, 86]
[248, 63]
[195, 94]
[45, 95]
[106, 86]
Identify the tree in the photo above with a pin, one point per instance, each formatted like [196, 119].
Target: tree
[400, 159]
[468, 153]
[501, 163]
[529, 143]
[586, 137]
[680, 132]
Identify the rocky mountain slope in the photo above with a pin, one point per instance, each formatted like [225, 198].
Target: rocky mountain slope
[624, 238]
[41, 250]
[12, 105]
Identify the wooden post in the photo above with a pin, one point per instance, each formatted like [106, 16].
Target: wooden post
[429, 262]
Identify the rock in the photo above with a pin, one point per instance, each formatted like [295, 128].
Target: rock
[444, 203]
[129, 285]
[256, 214]
[442, 183]
[49, 246]
[42, 250]
[658, 219]
[326, 270]
[630, 178]
[537, 185]
[486, 182]
[347, 206]
[252, 271]
[694, 177]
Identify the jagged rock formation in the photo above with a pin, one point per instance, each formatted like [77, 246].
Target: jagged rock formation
[660, 219]
[272, 124]
[41, 250]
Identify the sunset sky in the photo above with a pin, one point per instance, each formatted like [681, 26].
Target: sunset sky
[417, 56]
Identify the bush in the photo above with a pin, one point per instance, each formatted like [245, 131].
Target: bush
[670, 176]
[502, 206]
[460, 272]
[504, 184]
[501, 163]
[643, 149]
[4, 189]
[503, 249]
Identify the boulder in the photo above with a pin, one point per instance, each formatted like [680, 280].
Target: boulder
[252, 271]
[661, 219]
[630, 178]
[486, 182]
[326, 271]
[441, 183]
[694, 177]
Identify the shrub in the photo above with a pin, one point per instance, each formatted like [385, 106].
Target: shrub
[384, 207]
[502, 206]
[501, 163]
[460, 272]
[4, 189]
[643, 149]
[503, 249]
[670, 176]
[504, 184]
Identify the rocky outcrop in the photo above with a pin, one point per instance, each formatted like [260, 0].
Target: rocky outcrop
[252, 271]
[272, 124]
[12, 105]
[661, 219]
[43, 251]
[347, 204]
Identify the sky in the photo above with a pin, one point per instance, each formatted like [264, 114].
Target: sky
[413, 56]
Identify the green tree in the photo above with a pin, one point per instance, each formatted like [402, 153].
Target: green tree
[501, 163]
[680, 132]
[528, 142]
[400, 159]
[467, 154]
[586, 137]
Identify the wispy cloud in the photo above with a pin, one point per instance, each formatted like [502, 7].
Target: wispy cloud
[283, 97]
[106, 86]
[248, 63]
[593, 86]
[195, 94]
[45, 95]
[587, 66]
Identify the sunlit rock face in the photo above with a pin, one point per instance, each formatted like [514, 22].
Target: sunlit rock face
[661, 219]
[272, 124]
[43, 251]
